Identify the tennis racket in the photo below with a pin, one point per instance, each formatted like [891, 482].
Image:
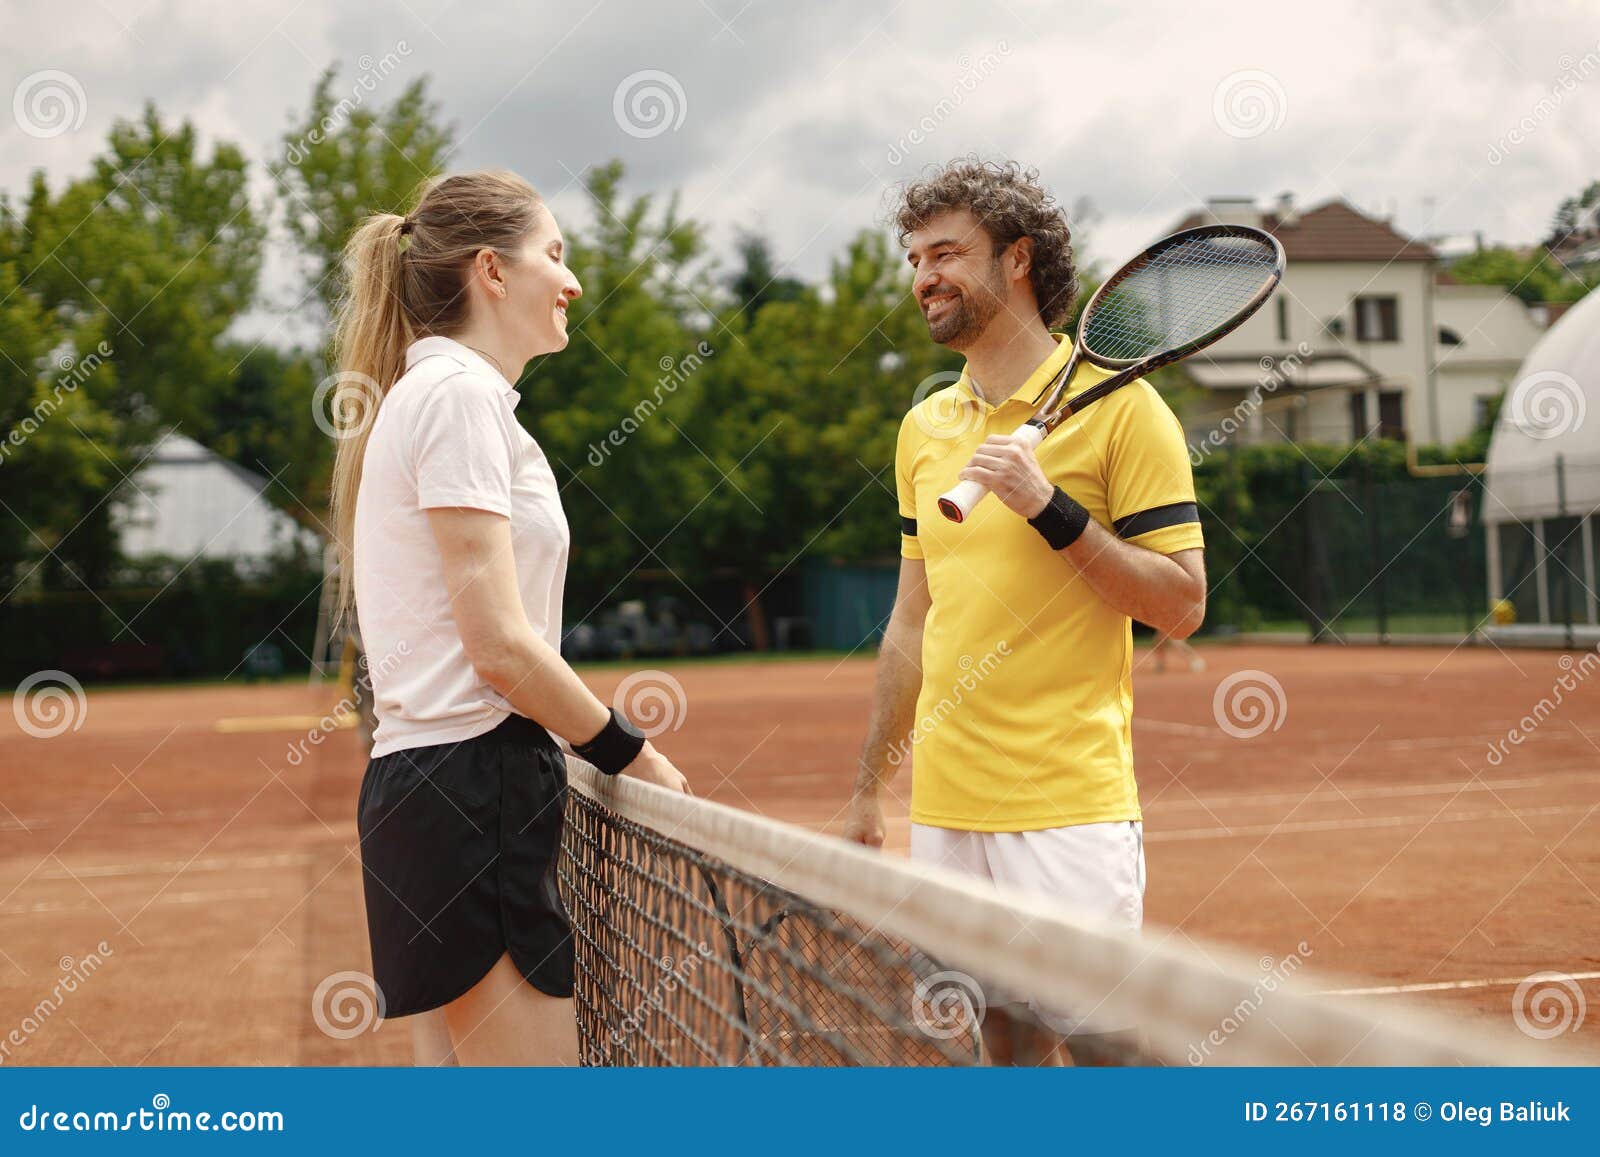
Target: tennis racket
[1177, 297]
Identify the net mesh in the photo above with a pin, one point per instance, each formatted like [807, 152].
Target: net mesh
[1178, 294]
[685, 961]
[709, 936]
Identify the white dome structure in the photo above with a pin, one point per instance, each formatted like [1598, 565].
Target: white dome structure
[1542, 485]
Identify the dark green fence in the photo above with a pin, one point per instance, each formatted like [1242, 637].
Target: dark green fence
[1352, 551]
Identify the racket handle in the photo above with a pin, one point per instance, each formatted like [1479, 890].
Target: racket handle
[959, 501]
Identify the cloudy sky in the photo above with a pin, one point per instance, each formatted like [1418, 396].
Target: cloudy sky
[1455, 117]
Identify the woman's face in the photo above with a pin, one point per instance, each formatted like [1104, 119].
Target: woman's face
[539, 287]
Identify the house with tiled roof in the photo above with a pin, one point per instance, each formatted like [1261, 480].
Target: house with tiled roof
[1366, 337]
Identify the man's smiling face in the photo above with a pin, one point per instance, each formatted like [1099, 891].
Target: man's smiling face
[958, 282]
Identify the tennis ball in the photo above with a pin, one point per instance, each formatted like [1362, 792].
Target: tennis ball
[1504, 612]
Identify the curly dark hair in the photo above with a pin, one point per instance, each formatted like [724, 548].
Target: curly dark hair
[1011, 203]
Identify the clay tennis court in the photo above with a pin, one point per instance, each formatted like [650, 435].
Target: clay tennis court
[1365, 821]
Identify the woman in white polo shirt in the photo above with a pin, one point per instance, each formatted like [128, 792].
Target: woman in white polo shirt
[455, 557]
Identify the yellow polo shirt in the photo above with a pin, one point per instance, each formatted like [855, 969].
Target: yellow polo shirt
[1024, 720]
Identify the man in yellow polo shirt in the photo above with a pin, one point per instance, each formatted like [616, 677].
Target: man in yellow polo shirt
[1005, 675]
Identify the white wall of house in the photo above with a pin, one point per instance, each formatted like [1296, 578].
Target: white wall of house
[187, 502]
[1497, 330]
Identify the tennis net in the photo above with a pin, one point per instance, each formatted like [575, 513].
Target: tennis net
[705, 935]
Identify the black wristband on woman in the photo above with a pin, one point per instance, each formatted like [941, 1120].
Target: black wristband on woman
[1062, 520]
[614, 748]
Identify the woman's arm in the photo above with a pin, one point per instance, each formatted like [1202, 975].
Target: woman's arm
[502, 645]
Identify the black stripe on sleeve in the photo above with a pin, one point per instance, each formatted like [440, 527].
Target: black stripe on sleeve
[908, 526]
[1157, 518]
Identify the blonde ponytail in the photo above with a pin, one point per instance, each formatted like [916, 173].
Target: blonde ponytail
[404, 278]
[371, 334]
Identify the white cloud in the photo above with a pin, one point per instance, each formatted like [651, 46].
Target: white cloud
[793, 112]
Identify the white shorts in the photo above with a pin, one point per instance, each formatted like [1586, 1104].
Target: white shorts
[1093, 869]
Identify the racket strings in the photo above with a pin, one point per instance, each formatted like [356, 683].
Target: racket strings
[1178, 295]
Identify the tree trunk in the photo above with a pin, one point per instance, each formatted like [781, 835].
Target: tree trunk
[754, 618]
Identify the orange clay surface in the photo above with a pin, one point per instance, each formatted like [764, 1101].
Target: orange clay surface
[222, 876]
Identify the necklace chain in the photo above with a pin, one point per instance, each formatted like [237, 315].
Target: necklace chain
[490, 356]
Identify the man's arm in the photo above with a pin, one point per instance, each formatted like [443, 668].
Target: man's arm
[1164, 591]
[1167, 592]
[894, 702]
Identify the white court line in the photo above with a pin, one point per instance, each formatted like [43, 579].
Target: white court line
[1171, 727]
[1363, 822]
[174, 867]
[1410, 789]
[1447, 985]
[169, 898]
[113, 819]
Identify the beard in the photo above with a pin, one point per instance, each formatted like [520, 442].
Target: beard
[966, 317]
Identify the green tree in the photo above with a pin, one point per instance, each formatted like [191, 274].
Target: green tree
[163, 244]
[127, 278]
[61, 449]
[616, 410]
[757, 282]
[1569, 214]
[342, 161]
[1535, 277]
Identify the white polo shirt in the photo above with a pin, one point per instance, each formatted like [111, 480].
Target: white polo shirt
[446, 435]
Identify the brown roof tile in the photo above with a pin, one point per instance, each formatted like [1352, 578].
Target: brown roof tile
[1334, 232]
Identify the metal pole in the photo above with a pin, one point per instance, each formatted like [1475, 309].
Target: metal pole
[1375, 540]
[1561, 576]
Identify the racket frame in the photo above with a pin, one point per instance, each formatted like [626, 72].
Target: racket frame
[958, 502]
[1053, 411]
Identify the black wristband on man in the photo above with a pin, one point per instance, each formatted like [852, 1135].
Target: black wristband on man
[1062, 520]
[614, 748]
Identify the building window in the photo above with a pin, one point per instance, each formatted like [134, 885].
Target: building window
[1392, 415]
[1482, 411]
[1283, 318]
[1377, 319]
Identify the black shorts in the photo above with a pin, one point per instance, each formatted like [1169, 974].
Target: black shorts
[458, 853]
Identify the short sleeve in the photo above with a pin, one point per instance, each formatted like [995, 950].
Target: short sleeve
[905, 488]
[461, 451]
[1150, 485]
